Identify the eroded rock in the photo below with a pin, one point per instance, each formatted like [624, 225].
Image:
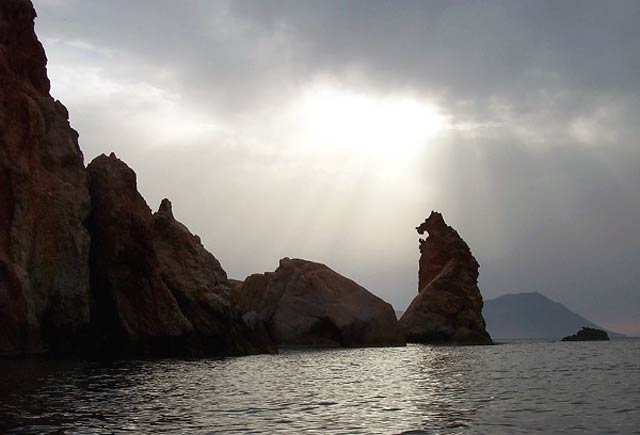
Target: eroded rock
[134, 309]
[202, 289]
[448, 307]
[156, 289]
[308, 304]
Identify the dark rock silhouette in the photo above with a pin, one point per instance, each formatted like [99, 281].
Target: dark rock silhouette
[133, 305]
[448, 307]
[202, 290]
[308, 304]
[44, 199]
[156, 289]
[84, 264]
[531, 315]
[588, 334]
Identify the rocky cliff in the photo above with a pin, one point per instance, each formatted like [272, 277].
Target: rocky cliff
[84, 264]
[308, 304]
[448, 307]
[156, 289]
[44, 199]
[202, 290]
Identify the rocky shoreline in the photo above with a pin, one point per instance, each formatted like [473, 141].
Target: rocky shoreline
[86, 266]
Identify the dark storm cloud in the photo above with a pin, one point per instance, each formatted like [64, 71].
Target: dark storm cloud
[540, 173]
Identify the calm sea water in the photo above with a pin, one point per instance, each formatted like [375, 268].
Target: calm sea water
[513, 388]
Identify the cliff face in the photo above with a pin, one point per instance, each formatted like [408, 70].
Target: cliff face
[44, 199]
[306, 303]
[448, 307]
[141, 284]
[133, 306]
[157, 290]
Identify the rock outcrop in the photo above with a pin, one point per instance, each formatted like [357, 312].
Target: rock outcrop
[202, 290]
[304, 303]
[156, 289]
[44, 199]
[588, 334]
[84, 264]
[133, 306]
[448, 307]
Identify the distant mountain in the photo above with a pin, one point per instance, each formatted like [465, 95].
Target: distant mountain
[532, 315]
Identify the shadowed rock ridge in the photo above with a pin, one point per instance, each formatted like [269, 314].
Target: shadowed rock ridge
[84, 264]
[304, 303]
[157, 289]
[44, 199]
[448, 307]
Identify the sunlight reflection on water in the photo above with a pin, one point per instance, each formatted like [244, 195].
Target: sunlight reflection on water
[517, 387]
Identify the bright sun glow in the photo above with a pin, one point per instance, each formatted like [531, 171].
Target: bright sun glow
[381, 127]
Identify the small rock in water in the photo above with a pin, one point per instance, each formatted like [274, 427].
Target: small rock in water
[588, 334]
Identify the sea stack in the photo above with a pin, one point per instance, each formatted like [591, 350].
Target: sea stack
[448, 307]
[304, 303]
[44, 199]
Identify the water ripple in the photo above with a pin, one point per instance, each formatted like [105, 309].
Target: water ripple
[520, 387]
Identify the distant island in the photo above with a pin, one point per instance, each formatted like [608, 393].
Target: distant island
[532, 315]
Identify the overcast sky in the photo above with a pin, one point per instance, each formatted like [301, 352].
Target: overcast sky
[329, 130]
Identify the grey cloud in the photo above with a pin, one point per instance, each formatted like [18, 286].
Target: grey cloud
[543, 186]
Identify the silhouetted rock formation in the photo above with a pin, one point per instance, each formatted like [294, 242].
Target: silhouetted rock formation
[142, 283]
[44, 199]
[132, 301]
[448, 307]
[306, 303]
[200, 285]
[156, 288]
[588, 334]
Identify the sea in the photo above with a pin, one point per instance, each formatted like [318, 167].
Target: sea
[516, 387]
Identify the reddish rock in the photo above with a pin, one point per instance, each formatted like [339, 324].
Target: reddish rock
[44, 199]
[135, 310]
[156, 289]
[306, 303]
[202, 290]
[448, 308]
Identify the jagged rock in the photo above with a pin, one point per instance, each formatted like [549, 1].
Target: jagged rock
[133, 306]
[306, 303]
[200, 285]
[156, 289]
[44, 199]
[448, 307]
[588, 334]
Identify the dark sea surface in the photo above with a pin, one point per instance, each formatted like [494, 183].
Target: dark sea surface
[513, 388]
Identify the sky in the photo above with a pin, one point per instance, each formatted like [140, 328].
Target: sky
[329, 130]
